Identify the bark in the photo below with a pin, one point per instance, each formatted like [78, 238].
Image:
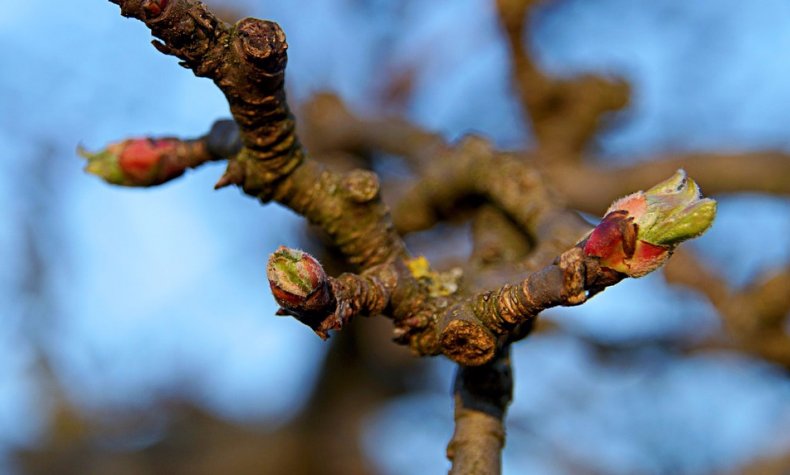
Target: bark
[482, 395]
[433, 312]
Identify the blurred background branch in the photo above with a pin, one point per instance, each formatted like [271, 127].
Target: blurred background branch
[139, 346]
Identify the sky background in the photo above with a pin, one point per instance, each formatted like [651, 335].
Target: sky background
[137, 294]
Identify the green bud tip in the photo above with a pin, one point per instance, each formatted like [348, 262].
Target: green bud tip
[104, 164]
[639, 231]
[135, 162]
[293, 275]
[675, 212]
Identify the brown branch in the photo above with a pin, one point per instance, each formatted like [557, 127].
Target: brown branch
[467, 331]
[754, 317]
[449, 173]
[328, 125]
[482, 395]
[324, 303]
[473, 168]
[496, 239]
[636, 237]
[777, 464]
[247, 62]
[591, 187]
[565, 113]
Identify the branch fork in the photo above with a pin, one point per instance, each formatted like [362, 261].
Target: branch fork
[432, 312]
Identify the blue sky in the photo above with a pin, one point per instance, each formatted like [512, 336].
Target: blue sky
[157, 290]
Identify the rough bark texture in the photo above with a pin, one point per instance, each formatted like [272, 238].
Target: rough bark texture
[247, 61]
[482, 394]
[529, 248]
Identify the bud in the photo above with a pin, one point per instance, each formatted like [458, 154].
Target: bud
[136, 162]
[297, 280]
[640, 231]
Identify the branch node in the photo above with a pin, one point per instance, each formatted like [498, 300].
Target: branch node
[574, 276]
[464, 339]
[263, 44]
[362, 185]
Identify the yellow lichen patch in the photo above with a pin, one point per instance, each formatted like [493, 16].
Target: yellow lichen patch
[419, 267]
[439, 284]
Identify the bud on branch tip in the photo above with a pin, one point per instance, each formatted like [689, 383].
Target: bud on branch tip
[639, 232]
[135, 162]
[294, 276]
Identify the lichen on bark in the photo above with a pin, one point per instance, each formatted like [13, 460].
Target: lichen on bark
[538, 239]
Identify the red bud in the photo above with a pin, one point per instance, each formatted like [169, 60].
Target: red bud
[141, 158]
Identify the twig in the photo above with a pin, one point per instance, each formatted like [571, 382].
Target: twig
[565, 113]
[590, 187]
[247, 62]
[482, 395]
[754, 317]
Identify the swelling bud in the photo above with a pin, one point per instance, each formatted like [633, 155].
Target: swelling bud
[639, 232]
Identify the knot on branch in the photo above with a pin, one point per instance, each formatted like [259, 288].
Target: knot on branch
[154, 8]
[574, 271]
[464, 338]
[361, 186]
[247, 62]
[263, 44]
[187, 29]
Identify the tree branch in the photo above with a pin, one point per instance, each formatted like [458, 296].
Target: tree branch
[150, 161]
[247, 62]
[482, 395]
[754, 317]
[590, 187]
[565, 114]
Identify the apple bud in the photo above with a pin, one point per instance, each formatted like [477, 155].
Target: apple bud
[640, 231]
[297, 279]
[136, 162]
